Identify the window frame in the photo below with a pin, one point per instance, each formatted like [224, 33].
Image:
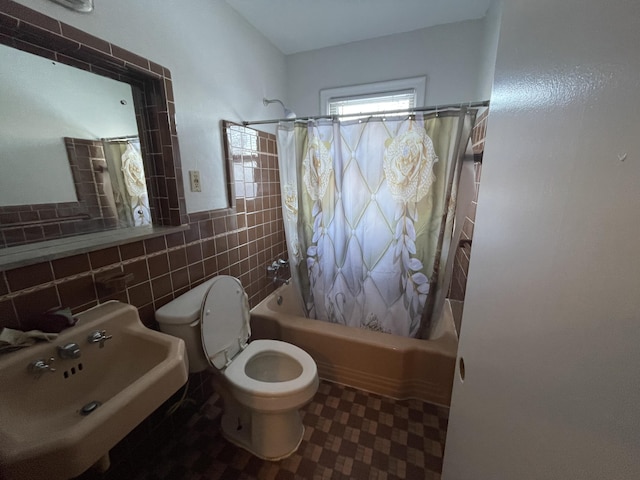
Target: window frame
[417, 84]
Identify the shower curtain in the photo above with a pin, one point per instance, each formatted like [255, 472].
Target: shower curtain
[126, 169]
[367, 207]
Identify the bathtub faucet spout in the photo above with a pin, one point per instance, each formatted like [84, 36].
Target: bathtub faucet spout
[277, 281]
[274, 272]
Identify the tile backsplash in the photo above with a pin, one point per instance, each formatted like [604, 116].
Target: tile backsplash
[238, 241]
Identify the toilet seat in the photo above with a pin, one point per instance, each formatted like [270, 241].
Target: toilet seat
[236, 372]
[225, 317]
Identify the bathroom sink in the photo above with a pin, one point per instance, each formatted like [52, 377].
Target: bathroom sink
[55, 425]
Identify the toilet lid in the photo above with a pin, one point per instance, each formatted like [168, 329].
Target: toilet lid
[225, 321]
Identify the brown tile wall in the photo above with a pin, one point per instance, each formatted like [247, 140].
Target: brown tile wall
[91, 213]
[458, 287]
[24, 224]
[238, 242]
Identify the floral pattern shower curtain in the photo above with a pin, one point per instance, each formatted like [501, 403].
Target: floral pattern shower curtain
[126, 170]
[363, 204]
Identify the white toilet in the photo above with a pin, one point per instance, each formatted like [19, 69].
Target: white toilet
[263, 384]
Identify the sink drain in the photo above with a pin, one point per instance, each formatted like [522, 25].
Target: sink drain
[89, 407]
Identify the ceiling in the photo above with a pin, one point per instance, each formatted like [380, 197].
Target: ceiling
[301, 25]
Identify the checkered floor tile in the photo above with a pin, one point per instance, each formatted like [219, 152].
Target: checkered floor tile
[349, 434]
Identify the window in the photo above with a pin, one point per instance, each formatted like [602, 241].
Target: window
[242, 143]
[383, 102]
[374, 97]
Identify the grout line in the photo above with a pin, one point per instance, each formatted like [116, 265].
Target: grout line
[121, 263]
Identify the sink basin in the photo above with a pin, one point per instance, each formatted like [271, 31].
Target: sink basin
[50, 426]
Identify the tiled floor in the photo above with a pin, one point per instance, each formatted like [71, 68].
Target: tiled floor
[349, 434]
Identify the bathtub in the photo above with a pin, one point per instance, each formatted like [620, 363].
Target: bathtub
[377, 362]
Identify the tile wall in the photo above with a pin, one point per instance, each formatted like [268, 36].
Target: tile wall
[23, 224]
[238, 241]
[458, 286]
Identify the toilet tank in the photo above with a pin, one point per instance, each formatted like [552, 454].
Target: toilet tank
[181, 318]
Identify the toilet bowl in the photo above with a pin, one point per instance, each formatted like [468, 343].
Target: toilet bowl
[263, 383]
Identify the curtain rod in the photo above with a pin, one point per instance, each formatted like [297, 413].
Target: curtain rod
[409, 111]
[122, 138]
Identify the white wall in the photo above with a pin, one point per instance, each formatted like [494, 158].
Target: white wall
[43, 102]
[489, 48]
[551, 327]
[449, 55]
[221, 68]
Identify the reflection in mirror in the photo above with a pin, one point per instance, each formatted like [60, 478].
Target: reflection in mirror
[243, 149]
[70, 157]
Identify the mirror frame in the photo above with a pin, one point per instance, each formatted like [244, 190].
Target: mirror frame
[33, 32]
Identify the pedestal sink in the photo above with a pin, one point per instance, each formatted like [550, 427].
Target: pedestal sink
[56, 424]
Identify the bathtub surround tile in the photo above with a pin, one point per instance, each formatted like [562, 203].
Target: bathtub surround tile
[349, 434]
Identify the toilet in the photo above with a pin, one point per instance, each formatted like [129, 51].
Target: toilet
[263, 384]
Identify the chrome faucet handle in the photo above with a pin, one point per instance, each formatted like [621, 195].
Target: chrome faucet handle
[99, 336]
[283, 263]
[38, 367]
[70, 350]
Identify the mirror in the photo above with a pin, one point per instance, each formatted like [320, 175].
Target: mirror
[25, 228]
[69, 146]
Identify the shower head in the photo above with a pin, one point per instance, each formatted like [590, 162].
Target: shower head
[83, 6]
[287, 113]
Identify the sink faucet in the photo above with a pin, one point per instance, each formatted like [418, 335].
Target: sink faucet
[38, 367]
[70, 350]
[99, 336]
